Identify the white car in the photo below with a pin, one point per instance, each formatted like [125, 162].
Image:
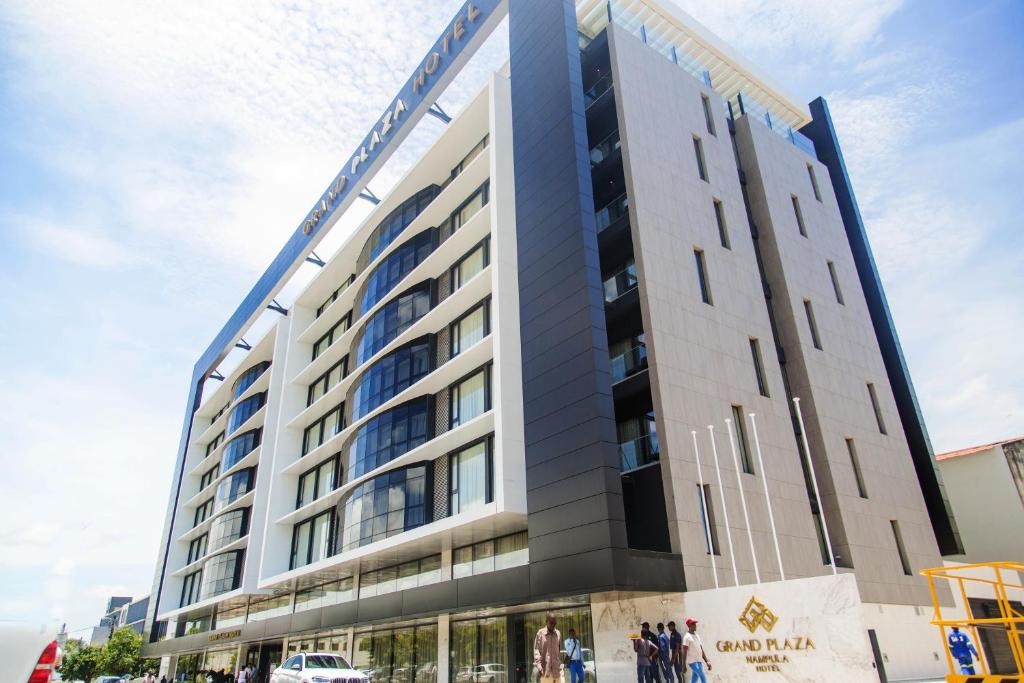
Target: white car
[317, 667]
[28, 654]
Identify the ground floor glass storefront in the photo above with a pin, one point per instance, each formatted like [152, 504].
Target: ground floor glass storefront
[497, 649]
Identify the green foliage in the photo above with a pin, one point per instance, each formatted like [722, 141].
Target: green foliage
[81, 662]
[121, 653]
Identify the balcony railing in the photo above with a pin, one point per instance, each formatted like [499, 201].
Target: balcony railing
[639, 452]
[604, 149]
[620, 283]
[612, 211]
[594, 93]
[629, 363]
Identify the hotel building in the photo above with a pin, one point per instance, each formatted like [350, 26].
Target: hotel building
[494, 399]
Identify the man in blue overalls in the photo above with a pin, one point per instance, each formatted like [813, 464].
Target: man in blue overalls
[962, 649]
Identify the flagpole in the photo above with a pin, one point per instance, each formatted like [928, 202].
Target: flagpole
[767, 497]
[704, 509]
[743, 496]
[814, 482]
[725, 507]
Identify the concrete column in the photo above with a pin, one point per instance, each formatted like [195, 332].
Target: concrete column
[443, 629]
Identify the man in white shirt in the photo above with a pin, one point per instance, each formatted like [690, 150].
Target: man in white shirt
[693, 653]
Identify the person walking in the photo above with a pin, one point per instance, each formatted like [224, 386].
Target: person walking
[693, 653]
[961, 647]
[665, 655]
[646, 652]
[546, 656]
[675, 641]
[243, 674]
[652, 637]
[574, 657]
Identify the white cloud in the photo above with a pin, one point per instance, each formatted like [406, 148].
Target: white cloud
[79, 245]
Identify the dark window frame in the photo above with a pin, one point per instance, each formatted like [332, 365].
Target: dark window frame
[206, 508]
[324, 378]
[453, 483]
[702, 277]
[709, 120]
[315, 472]
[812, 324]
[758, 359]
[454, 420]
[723, 227]
[329, 336]
[798, 212]
[702, 166]
[455, 277]
[834, 275]
[319, 425]
[742, 443]
[455, 349]
[877, 407]
[359, 454]
[311, 521]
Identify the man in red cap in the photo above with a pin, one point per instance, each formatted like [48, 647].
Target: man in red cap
[693, 653]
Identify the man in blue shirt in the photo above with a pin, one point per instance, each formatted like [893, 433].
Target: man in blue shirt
[665, 654]
[675, 640]
[961, 647]
[574, 651]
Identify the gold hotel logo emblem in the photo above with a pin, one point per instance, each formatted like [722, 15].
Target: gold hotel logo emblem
[755, 614]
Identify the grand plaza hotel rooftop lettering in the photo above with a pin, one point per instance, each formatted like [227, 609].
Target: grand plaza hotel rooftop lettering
[455, 33]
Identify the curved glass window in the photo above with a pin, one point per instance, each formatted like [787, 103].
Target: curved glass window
[222, 573]
[396, 266]
[390, 375]
[248, 378]
[239, 447]
[393, 319]
[233, 488]
[385, 506]
[395, 222]
[244, 410]
[228, 528]
[389, 435]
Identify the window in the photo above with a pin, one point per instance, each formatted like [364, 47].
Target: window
[835, 282]
[327, 381]
[702, 276]
[334, 295]
[388, 230]
[332, 335]
[244, 410]
[492, 555]
[217, 441]
[248, 378]
[393, 319]
[877, 408]
[323, 429]
[389, 435]
[814, 182]
[698, 150]
[723, 231]
[469, 208]
[311, 540]
[318, 481]
[470, 477]
[408, 655]
[385, 506]
[708, 523]
[470, 398]
[196, 549]
[203, 512]
[228, 615]
[851, 448]
[234, 487]
[190, 588]
[471, 264]
[623, 281]
[396, 266]
[265, 608]
[812, 324]
[470, 328]
[222, 573]
[392, 374]
[239, 447]
[228, 528]
[327, 594]
[740, 433]
[209, 476]
[708, 118]
[422, 572]
[799, 216]
[900, 548]
[755, 353]
[468, 159]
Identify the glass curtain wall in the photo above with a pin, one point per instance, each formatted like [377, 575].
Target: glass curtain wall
[479, 650]
[407, 655]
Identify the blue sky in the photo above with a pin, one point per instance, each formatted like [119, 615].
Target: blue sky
[154, 157]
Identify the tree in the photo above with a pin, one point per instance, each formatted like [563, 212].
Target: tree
[81, 662]
[121, 653]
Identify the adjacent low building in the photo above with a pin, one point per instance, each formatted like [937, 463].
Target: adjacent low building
[557, 369]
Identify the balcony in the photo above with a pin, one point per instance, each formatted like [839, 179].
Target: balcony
[638, 452]
[613, 210]
[596, 91]
[605, 149]
[629, 363]
[622, 282]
